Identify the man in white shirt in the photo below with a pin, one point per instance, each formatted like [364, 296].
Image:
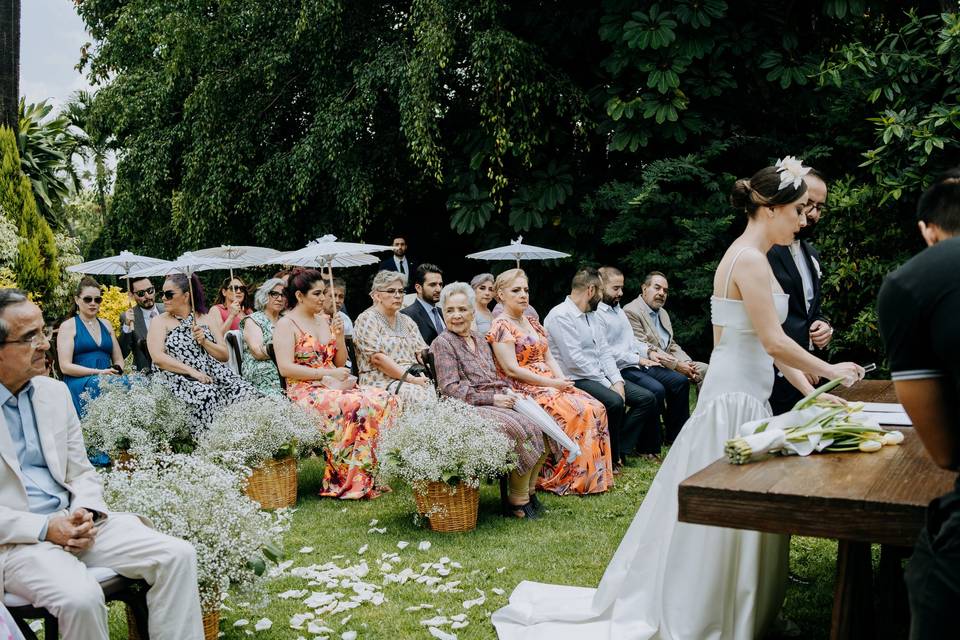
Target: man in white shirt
[400, 262]
[672, 389]
[578, 343]
[135, 323]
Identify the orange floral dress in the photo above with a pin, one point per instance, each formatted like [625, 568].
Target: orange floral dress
[581, 416]
[353, 417]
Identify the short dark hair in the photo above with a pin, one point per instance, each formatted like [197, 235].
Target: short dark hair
[421, 275]
[301, 280]
[940, 203]
[85, 283]
[9, 297]
[609, 272]
[134, 281]
[647, 279]
[398, 236]
[585, 277]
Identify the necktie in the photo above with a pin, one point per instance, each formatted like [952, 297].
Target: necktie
[402, 270]
[437, 320]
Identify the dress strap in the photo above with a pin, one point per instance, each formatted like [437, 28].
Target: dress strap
[726, 285]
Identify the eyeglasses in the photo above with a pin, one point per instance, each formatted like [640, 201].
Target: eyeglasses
[392, 292]
[169, 293]
[35, 339]
[819, 206]
[145, 292]
[89, 299]
[276, 295]
[236, 287]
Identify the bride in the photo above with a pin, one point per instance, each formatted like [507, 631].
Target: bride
[680, 581]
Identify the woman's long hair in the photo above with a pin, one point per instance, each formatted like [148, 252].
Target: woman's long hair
[196, 290]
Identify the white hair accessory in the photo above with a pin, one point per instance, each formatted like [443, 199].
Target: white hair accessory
[791, 172]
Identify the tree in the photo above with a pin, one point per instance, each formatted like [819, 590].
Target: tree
[35, 267]
[90, 142]
[9, 62]
[46, 146]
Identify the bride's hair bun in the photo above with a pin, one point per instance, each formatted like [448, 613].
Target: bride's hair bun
[763, 190]
[740, 194]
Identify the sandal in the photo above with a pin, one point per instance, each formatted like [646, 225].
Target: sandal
[538, 507]
[522, 512]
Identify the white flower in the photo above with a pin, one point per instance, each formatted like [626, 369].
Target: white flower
[263, 624]
[791, 171]
[869, 446]
[893, 437]
[424, 545]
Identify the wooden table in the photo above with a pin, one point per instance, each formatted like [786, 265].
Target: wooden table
[855, 498]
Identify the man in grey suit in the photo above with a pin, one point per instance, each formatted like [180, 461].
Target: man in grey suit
[135, 322]
[54, 523]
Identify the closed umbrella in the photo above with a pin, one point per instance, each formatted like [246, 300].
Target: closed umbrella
[518, 251]
[527, 406]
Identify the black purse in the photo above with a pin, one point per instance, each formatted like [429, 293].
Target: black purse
[416, 369]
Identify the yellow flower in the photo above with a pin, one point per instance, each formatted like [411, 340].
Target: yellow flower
[115, 302]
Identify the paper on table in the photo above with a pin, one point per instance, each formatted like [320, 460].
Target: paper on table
[899, 419]
[882, 407]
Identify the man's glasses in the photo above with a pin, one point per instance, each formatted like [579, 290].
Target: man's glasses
[145, 292]
[392, 292]
[168, 294]
[35, 339]
[236, 288]
[89, 299]
[810, 206]
[276, 295]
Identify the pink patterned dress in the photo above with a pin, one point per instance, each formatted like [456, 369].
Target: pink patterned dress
[353, 417]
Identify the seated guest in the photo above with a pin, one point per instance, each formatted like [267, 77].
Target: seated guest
[189, 359]
[577, 340]
[651, 324]
[339, 300]
[135, 322]
[521, 350]
[671, 388]
[388, 343]
[483, 291]
[528, 311]
[230, 307]
[86, 346]
[311, 352]
[257, 367]
[53, 520]
[465, 371]
[428, 282]
[8, 627]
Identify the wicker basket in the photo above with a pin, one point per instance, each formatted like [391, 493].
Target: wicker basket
[274, 484]
[449, 509]
[211, 625]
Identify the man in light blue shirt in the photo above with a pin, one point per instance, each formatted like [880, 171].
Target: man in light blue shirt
[671, 389]
[577, 342]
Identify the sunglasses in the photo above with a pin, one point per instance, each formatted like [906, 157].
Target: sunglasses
[276, 295]
[145, 292]
[236, 288]
[89, 299]
[169, 293]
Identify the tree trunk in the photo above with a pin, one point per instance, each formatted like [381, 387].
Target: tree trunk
[9, 63]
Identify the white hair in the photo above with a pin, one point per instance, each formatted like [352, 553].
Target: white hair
[457, 287]
[261, 298]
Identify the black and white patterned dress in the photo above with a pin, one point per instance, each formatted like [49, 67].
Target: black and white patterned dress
[204, 401]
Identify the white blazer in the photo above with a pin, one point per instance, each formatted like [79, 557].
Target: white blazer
[66, 457]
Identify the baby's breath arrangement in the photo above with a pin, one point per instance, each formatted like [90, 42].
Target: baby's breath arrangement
[248, 433]
[193, 499]
[449, 441]
[136, 415]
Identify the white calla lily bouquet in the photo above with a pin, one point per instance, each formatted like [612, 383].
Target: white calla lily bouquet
[813, 425]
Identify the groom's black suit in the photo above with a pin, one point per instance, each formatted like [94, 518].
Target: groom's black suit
[799, 318]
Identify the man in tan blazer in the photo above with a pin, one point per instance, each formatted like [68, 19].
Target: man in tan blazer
[53, 519]
[651, 324]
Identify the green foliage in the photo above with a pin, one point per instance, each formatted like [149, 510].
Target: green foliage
[46, 146]
[35, 265]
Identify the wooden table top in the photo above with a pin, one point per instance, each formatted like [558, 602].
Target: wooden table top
[869, 391]
[867, 497]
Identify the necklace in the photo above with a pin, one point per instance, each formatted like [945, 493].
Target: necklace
[90, 323]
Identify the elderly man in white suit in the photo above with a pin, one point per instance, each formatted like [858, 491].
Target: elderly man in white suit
[53, 520]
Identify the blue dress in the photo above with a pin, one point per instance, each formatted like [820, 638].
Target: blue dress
[87, 353]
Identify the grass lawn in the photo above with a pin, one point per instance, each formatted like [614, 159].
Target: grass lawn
[570, 545]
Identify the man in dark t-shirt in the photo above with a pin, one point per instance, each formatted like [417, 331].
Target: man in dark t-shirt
[919, 311]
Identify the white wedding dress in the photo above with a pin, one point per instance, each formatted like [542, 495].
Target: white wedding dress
[671, 580]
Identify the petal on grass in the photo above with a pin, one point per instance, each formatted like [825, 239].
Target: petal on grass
[263, 624]
[441, 635]
[424, 545]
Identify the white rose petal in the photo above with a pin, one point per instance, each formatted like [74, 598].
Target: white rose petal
[242, 622]
[459, 625]
[498, 591]
[403, 544]
[373, 523]
[377, 530]
[348, 635]
[501, 569]
[363, 549]
[435, 621]
[306, 549]
[442, 635]
[456, 565]
[263, 624]
[424, 545]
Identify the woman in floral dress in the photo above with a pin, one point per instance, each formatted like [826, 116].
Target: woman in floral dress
[255, 365]
[311, 352]
[8, 628]
[188, 358]
[523, 357]
[388, 342]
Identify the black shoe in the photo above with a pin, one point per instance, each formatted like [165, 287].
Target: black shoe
[521, 512]
[538, 507]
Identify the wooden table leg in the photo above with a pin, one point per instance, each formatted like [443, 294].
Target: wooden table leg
[893, 608]
[853, 615]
